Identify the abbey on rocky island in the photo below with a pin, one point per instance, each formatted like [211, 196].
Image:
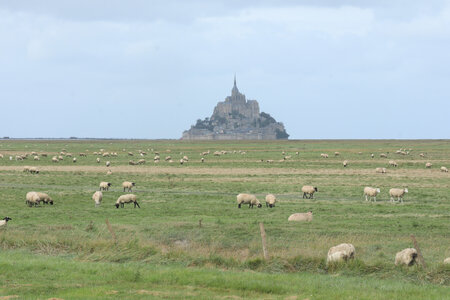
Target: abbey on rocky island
[237, 119]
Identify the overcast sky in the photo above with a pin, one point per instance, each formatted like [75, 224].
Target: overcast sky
[150, 69]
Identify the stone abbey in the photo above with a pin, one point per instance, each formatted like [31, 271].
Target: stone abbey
[237, 118]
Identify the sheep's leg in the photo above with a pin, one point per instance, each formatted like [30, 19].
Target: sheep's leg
[366, 197]
[267, 204]
[375, 199]
[135, 203]
[124, 190]
[304, 195]
[239, 205]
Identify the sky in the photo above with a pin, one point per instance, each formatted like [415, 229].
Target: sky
[149, 69]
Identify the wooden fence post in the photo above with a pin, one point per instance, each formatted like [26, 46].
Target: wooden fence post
[263, 238]
[111, 231]
[419, 253]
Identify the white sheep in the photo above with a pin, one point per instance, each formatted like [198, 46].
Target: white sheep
[32, 198]
[104, 186]
[97, 197]
[406, 257]
[428, 165]
[26, 169]
[128, 185]
[109, 172]
[392, 163]
[371, 192]
[108, 163]
[372, 156]
[128, 198]
[141, 162]
[324, 155]
[380, 170]
[447, 261]
[345, 163]
[308, 191]
[36, 158]
[34, 170]
[383, 155]
[270, 200]
[342, 252]
[74, 160]
[336, 154]
[45, 198]
[98, 160]
[55, 159]
[248, 199]
[301, 217]
[398, 193]
[444, 169]
[4, 221]
[1, 155]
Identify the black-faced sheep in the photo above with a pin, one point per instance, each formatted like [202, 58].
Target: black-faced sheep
[4, 221]
[406, 257]
[308, 191]
[270, 200]
[248, 199]
[104, 186]
[128, 185]
[45, 198]
[128, 198]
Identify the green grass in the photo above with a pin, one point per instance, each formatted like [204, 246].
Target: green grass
[162, 247]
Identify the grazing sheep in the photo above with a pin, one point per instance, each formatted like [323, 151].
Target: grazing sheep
[55, 159]
[301, 217]
[98, 160]
[398, 193]
[371, 192]
[372, 156]
[406, 257]
[74, 160]
[45, 198]
[97, 197]
[1, 155]
[383, 155]
[342, 252]
[345, 163]
[132, 163]
[34, 170]
[104, 186]
[217, 153]
[270, 161]
[109, 172]
[336, 154]
[128, 198]
[130, 154]
[32, 198]
[392, 163]
[18, 157]
[309, 190]
[444, 169]
[380, 170]
[26, 169]
[141, 161]
[422, 155]
[128, 185]
[324, 155]
[4, 221]
[202, 159]
[83, 154]
[106, 154]
[185, 158]
[270, 200]
[428, 165]
[447, 261]
[248, 199]
[181, 161]
[36, 158]
[168, 158]
[108, 163]
[44, 154]
[60, 157]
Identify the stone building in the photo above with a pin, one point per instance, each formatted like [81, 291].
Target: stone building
[236, 118]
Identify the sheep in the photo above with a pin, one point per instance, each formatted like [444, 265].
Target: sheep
[336, 154]
[55, 159]
[371, 192]
[106, 154]
[60, 157]
[32, 198]
[1, 155]
[156, 158]
[74, 160]
[422, 155]
[309, 190]
[82, 154]
[168, 158]
[4, 221]
[45, 198]
[108, 163]
[287, 157]
[444, 169]
[217, 153]
[270, 161]
[98, 160]
[342, 252]
[109, 172]
[202, 159]
[428, 165]
[18, 157]
[383, 155]
[185, 158]
[380, 170]
[34, 170]
[97, 197]
[406, 257]
[141, 162]
[128, 198]
[104, 186]
[345, 163]
[392, 163]
[36, 158]
[128, 185]
[372, 155]
[130, 153]
[399, 193]
[447, 261]
[324, 155]
[132, 163]
[270, 200]
[181, 161]
[44, 154]
[26, 169]
[68, 154]
[301, 217]
[248, 199]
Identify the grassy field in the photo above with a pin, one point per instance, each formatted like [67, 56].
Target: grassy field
[161, 251]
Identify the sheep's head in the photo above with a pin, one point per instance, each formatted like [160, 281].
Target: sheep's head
[133, 184]
[378, 190]
[117, 205]
[259, 205]
[413, 256]
[315, 189]
[109, 183]
[7, 219]
[406, 190]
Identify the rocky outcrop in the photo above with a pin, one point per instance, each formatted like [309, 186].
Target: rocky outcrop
[237, 118]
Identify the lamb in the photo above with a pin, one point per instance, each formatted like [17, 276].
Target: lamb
[392, 163]
[128, 198]
[370, 192]
[380, 170]
[104, 186]
[4, 221]
[428, 165]
[128, 185]
[309, 190]
[248, 199]
[345, 163]
[45, 198]
[270, 200]
[342, 252]
[406, 257]
[301, 217]
[202, 159]
[34, 170]
[32, 198]
[444, 169]
[399, 193]
[324, 155]
[97, 197]
[108, 163]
